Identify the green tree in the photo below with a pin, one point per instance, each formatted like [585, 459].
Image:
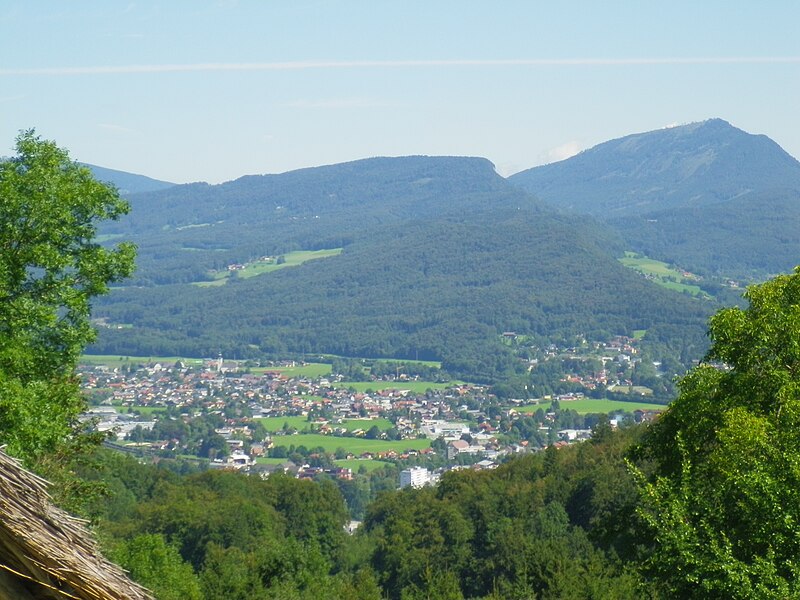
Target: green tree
[158, 566]
[51, 267]
[723, 505]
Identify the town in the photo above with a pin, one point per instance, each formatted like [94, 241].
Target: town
[305, 419]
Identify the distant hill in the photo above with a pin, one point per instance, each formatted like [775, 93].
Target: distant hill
[128, 183]
[695, 194]
[440, 257]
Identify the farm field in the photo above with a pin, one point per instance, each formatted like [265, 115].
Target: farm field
[268, 460]
[590, 405]
[292, 259]
[418, 387]
[355, 445]
[148, 411]
[114, 360]
[661, 273]
[310, 370]
[274, 424]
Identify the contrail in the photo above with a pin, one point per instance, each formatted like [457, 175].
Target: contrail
[396, 64]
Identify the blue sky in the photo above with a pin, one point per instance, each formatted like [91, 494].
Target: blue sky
[211, 90]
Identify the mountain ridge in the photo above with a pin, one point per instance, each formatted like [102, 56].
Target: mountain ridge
[440, 256]
[665, 168]
[671, 193]
[127, 183]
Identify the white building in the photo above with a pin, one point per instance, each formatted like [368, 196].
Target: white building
[415, 477]
[433, 429]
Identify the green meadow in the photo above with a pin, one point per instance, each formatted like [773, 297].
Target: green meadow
[661, 273]
[309, 370]
[259, 267]
[591, 405]
[354, 445]
[274, 424]
[115, 360]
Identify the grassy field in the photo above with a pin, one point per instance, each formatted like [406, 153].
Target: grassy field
[589, 405]
[148, 411]
[267, 460]
[292, 259]
[418, 387]
[353, 445]
[115, 360]
[273, 424]
[661, 273]
[366, 424]
[310, 370]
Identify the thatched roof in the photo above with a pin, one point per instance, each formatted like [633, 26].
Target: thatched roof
[46, 553]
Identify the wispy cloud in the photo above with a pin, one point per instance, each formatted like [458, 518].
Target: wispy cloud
[562, 152]
[389, 64]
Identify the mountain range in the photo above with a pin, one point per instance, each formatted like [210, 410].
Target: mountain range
[706, 196]
[128, 183]
[440, 255]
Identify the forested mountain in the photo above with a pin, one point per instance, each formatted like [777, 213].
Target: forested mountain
[441, 255]
[707, 196]
[128, 183]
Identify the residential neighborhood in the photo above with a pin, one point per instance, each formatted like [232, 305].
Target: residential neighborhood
[287, 417]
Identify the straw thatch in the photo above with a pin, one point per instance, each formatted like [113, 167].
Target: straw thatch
[46, 553]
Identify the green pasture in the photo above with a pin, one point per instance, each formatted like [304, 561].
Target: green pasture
[258, 267]
[417, 387]
[354, 445]
[267, 460]
[365, 424]
[591, 405]
[310, 370]
[148, 411]
[115, 360]
[661, 273]
[273, 424]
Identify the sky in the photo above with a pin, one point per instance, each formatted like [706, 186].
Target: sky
[210, 90]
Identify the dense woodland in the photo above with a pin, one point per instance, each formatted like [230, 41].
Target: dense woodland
[555, 525]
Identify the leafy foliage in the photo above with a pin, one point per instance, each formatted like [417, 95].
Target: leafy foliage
[723, 503]
[50, 270]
